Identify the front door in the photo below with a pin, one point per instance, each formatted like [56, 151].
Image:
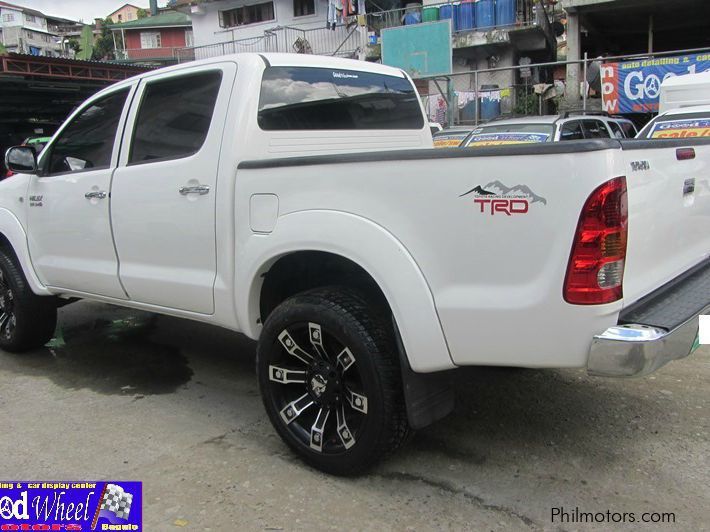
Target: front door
[163, 193]
[69, 233]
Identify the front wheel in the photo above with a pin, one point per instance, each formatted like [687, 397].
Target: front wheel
[330, 380]
[27, 321]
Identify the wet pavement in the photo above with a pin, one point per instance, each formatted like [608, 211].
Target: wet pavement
[128, 395]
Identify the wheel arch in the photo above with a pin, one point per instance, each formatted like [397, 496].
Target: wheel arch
[376, 261]
[14, 239]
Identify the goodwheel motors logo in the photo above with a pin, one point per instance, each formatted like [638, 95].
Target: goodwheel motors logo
[496, 198]
[72, 506]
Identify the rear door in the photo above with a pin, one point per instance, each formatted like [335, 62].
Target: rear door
[163, 193]
[669, 213]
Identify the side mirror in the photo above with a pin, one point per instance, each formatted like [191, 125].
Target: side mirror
[21, 160]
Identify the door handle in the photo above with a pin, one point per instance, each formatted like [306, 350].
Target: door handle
[197, 189]
[95, 194]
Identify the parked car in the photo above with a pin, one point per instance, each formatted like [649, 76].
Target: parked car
[206, 191]
[38, 143]
[684, 122]
[549, 128]
[451, 137]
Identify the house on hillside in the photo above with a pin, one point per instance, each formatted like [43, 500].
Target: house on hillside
[125, 13]
[155, 39]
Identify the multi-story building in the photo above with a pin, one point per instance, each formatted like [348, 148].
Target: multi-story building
[25, 30]
[489, 36]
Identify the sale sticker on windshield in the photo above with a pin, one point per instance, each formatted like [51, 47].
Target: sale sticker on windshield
[505, 139]
[680, 129]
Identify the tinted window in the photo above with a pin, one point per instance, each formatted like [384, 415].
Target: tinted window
[616, 130]
[322, 98]
[572, 131]
[595, 129]
[87, 142]
[629, 129]
[174, 117]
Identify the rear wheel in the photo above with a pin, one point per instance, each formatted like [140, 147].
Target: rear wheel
[330, 380]
[27, 321]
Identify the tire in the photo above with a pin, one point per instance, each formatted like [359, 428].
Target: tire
[330, 380]
[27, 321]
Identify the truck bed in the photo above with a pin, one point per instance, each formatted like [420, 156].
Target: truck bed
[497, 277]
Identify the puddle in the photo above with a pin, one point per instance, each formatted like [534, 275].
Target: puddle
[110, 352]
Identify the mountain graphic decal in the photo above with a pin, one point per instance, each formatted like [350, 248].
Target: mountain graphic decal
[496, 188]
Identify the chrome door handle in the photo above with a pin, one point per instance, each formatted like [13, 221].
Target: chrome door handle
[96, 194]
[197, 189]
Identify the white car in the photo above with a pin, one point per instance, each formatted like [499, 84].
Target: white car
[680, 123]
[243, 191]
[549, 128]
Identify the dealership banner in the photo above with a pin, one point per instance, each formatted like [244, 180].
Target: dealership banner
[634, 86]
[70, 506]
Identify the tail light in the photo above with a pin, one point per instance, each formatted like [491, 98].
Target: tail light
[595, 272]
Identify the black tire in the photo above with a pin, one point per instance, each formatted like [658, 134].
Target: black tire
[367, 394]
[27, 321]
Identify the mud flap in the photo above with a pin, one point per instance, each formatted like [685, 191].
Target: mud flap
[429, 396]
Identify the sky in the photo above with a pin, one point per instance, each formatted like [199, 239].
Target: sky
[86, 10]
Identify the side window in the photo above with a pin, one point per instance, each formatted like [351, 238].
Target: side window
[87, 142]
[572, 131]
[595, 129]
[629, 129]
[174, 117]
[616, 130]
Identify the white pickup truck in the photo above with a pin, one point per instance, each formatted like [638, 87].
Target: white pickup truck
[267, 194]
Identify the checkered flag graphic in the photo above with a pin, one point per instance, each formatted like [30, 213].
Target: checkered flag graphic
[117, 501]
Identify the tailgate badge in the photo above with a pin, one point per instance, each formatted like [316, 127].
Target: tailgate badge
[689, 186]
[640, 166]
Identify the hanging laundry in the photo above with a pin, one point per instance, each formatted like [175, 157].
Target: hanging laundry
[335, 13]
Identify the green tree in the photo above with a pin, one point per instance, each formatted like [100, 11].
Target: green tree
[86, 45]
[103, 48]
[142, 13]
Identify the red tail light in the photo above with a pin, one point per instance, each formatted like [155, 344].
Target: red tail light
[595, 272]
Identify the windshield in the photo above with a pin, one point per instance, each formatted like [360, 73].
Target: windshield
[505, 134]
[690, 125]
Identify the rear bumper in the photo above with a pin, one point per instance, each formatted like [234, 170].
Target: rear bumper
[660, 328]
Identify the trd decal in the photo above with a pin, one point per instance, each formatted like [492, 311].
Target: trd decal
[496, 198]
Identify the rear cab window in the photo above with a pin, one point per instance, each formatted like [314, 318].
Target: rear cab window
[305, 98]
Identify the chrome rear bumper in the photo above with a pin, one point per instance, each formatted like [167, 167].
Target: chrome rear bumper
[634, 350]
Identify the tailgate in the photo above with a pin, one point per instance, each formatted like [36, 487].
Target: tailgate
[669, 211]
